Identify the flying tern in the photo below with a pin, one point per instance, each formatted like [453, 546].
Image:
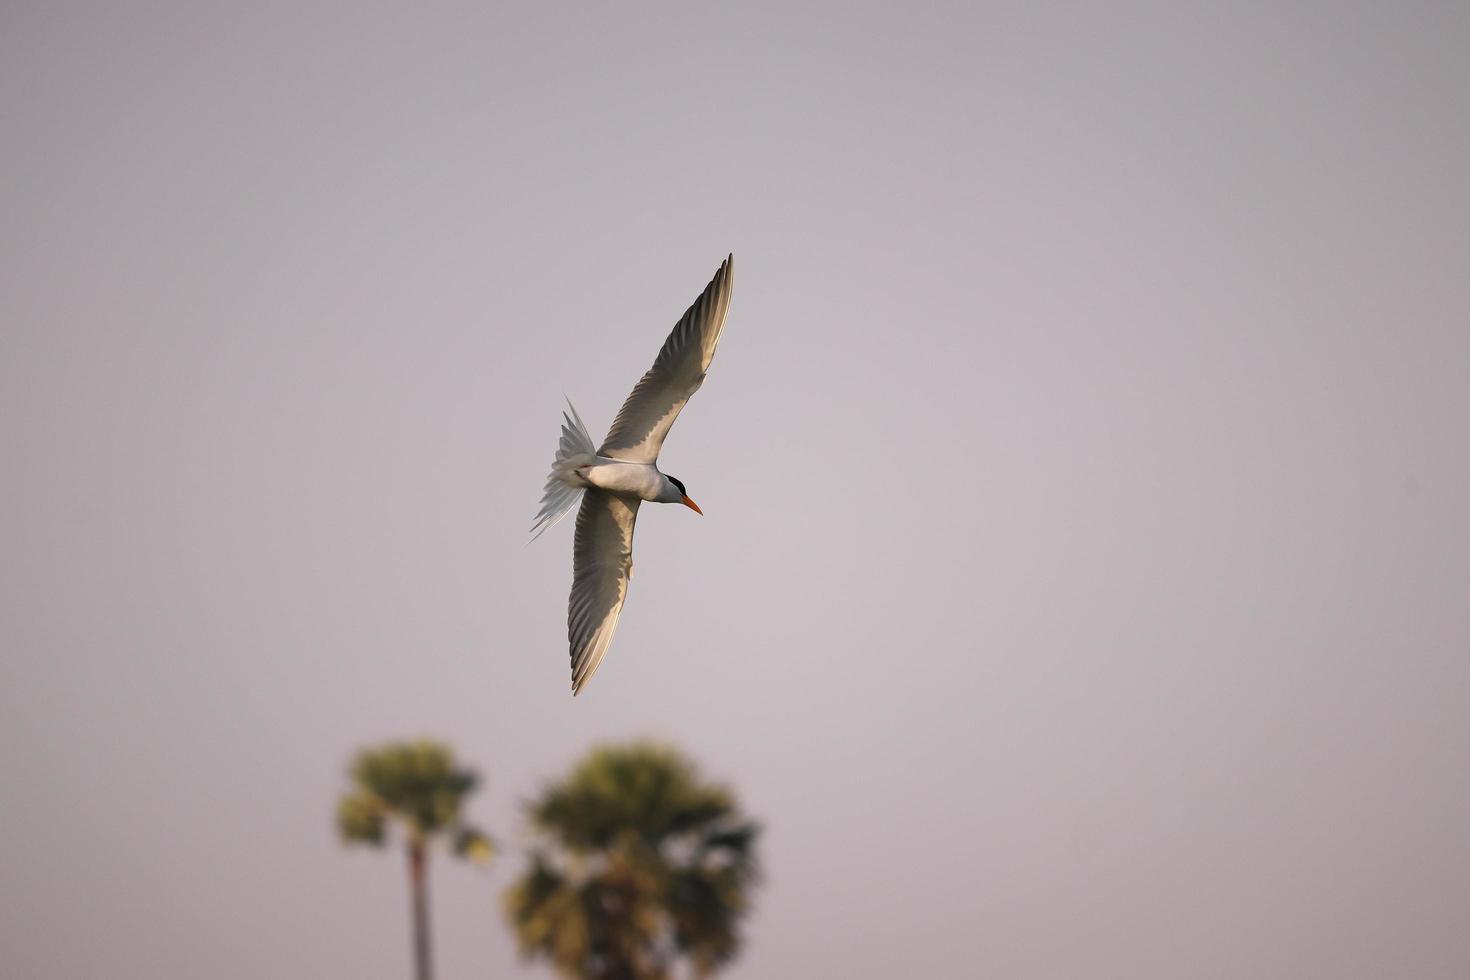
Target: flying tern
[613, 479]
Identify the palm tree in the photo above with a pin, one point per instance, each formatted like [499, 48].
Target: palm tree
[639, 865]
[418, 787]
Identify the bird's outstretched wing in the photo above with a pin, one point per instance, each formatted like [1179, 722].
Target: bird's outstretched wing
[638, 432]
[602, 562]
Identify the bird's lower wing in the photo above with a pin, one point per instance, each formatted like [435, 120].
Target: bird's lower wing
[602, 560]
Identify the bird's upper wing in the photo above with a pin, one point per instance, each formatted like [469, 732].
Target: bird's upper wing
[602, 563]
[638, 432]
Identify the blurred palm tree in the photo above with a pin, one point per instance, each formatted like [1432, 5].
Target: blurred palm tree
[639, 866]
[418, 787]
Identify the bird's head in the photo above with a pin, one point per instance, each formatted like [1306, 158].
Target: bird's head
[673, 493]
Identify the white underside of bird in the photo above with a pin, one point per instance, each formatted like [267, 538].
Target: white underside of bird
[613, 479]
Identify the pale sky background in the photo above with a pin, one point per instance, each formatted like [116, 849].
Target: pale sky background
[1085, 586]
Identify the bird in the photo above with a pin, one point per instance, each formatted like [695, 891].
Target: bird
[614, 479]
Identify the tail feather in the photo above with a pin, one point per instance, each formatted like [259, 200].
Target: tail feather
[563, 486]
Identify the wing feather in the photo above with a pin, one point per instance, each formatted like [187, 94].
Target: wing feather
[638, 433]
[602, 563]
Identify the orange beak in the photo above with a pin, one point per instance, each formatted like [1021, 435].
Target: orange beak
[692, 505]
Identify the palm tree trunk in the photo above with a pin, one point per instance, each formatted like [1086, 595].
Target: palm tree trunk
[418, 886]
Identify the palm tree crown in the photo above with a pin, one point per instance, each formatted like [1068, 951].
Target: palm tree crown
[639, 865]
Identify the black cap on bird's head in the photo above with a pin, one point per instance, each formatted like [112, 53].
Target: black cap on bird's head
[679, 485]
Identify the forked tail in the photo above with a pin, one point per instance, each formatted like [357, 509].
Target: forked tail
[563, 486]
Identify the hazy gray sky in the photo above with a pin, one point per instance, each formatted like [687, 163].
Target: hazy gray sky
[1085, 586]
